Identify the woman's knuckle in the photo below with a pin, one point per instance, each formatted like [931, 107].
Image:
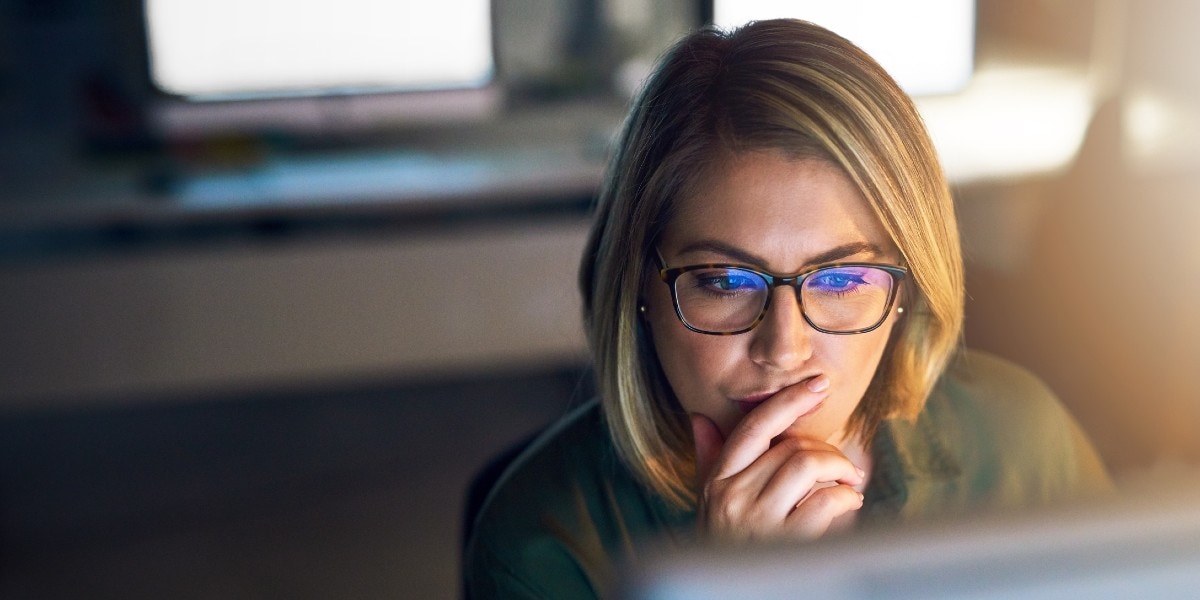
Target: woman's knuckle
[803, 461]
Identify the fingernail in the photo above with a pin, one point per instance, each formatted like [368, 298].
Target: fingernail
[819, 383]
[861, 473]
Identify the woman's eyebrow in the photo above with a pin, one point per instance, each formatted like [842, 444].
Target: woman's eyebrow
[845, 251]
[840, 252]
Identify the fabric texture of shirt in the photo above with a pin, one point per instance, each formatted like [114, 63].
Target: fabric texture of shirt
[567, 513]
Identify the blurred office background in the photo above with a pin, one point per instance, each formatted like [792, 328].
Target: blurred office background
[257, 348]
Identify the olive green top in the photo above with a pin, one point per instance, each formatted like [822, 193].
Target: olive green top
[567, 512]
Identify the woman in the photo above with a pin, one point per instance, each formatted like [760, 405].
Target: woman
[773, 295]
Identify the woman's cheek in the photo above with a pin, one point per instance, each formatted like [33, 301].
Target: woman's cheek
[695, 368]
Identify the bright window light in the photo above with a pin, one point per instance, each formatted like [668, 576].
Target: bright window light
[223, 49]
[1011, 121]
[928, 46]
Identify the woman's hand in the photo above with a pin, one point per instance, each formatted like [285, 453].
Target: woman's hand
[762, 484]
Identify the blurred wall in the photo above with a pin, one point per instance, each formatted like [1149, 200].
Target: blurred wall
[1101, 298]
[228, 317]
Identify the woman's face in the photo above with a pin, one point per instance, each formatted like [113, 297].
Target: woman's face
[783, 216]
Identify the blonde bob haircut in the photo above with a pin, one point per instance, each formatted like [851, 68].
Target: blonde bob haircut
[781, 85]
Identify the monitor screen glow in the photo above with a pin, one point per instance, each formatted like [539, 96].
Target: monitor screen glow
[244, 49]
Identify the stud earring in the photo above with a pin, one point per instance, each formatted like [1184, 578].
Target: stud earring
[900, 310]
[642, 309]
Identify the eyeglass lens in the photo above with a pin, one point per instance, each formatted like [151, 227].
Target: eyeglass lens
[837, 299]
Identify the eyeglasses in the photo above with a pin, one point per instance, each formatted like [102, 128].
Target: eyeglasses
[842, 299]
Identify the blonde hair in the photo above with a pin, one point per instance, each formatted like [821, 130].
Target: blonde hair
[781, 85]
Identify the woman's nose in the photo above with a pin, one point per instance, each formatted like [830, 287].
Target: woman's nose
[783, 340]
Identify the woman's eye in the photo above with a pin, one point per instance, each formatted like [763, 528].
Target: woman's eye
[837, 281]
[729, 281]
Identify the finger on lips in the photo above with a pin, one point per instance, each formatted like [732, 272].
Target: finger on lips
[760, 475]
[752, 437]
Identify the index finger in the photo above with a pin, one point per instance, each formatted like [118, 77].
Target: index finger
[752, 436]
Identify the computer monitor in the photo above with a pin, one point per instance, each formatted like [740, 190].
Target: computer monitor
[317, 65]
[1148, 548]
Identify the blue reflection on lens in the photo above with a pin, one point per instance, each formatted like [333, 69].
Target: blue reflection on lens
[730, 280]
[835, 280]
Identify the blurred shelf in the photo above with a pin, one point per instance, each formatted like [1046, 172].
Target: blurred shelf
[538, 158]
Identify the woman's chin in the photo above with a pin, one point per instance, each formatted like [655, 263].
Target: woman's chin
[813, 429]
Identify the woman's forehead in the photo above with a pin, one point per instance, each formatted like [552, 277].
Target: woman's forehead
[774, 206]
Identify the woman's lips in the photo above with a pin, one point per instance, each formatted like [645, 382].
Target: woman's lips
[749, 403]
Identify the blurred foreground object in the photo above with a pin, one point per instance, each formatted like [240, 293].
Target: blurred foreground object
[1141, 547]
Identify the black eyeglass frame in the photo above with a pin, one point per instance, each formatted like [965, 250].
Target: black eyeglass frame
[670, 275]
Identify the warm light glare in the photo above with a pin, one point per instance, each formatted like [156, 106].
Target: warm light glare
[247, 48]
[1161, 131]
[927, 46]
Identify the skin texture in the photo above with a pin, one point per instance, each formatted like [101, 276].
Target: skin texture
[787, 468]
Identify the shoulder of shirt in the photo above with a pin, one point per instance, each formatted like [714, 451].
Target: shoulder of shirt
[548, 521]
[1005, 425]
[993, 392]
[993, 436]
[574, 446]
[551, 478]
